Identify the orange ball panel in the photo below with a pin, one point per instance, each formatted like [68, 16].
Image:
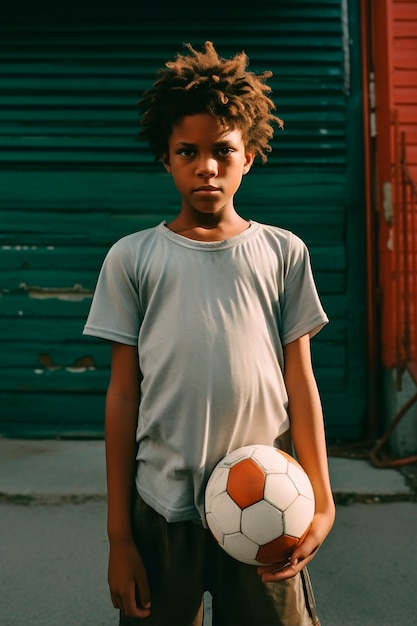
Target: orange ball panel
[278, 550]
[246, 483]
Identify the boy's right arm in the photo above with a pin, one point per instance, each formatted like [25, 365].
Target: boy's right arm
[127, 576]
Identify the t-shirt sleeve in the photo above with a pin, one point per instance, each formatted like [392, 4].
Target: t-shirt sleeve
[115, 310]
[302, 311]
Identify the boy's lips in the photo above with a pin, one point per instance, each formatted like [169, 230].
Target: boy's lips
[207, 188]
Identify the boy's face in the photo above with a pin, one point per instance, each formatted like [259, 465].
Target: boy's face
[207, 163]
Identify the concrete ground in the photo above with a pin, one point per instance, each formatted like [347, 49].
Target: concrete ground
[53, 552]
[43, 470]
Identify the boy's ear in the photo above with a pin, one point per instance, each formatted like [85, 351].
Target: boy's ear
[249, 159]
[167, 164]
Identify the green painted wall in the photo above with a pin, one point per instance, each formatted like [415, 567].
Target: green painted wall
[74, 178]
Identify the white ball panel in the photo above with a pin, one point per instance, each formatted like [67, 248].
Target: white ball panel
[227, 513]
[238, 455]
[298, 516]
[262, 522]
[241, 548]
[280, 491]
[216, 484]
[214, 527]
[269, 459]
[302, 481]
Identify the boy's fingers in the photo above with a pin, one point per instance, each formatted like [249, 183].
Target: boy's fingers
[280, 571]
[304, 552]
[133, 608]
[130, 602]
[289, 568]
[143, 594]
[115, 600]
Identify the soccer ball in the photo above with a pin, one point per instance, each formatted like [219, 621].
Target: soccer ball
[259, 504]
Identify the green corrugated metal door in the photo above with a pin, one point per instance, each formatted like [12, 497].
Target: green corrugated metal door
[74, 179]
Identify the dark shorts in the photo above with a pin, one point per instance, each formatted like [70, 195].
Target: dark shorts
[183, 561]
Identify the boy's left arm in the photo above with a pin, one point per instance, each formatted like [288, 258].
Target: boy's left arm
[307, 430]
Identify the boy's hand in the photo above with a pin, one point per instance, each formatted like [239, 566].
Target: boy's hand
[128, 580]
[302, 555]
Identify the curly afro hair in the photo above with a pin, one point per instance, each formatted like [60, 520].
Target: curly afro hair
[203, 82]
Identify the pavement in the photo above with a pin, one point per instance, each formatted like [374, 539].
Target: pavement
[54, 558]
[51, 471]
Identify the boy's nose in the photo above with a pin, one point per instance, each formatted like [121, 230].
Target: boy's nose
[207, 167]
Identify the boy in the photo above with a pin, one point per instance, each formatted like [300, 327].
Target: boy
[210, 318]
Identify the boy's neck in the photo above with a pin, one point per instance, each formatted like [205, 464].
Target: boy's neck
[208, 229]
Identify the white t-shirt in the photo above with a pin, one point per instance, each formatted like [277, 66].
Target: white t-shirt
[210, 320]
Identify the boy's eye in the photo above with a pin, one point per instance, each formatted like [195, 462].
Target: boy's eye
[225, 151]
[186, 152]
[190, 152]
